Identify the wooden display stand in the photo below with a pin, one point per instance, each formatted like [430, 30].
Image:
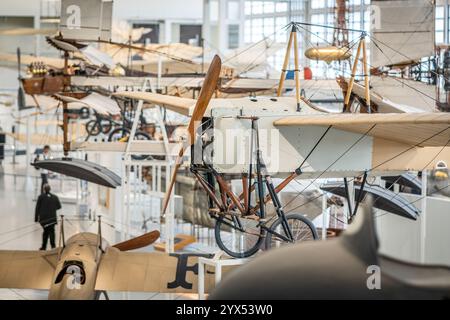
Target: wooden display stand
[180, 241]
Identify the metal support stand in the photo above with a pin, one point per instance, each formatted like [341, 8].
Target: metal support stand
[156, 169]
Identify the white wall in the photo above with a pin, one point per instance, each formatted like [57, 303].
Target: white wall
[19, 7]
[401, 238]
[157, 9]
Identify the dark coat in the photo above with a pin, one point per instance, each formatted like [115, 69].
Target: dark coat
[46, 207]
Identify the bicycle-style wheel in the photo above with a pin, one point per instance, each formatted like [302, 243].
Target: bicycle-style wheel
[235, 242]
[106, 126]
[93, 128]
[119, 134]
[122, 134]
[301, 227]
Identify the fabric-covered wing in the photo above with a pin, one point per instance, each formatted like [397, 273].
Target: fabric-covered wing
[150, 272]
[27, 59]
[177, 104]
[418, 129]
[27, 269]
[98, 102]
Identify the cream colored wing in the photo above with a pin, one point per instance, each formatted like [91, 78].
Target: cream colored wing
[416, 129]
[27, 269]
[177, 104]
[150, 272]
[27, 32]
[98, 102]
[27, 59]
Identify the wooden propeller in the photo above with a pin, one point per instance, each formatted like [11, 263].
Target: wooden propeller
[138, 242]
[206, 93]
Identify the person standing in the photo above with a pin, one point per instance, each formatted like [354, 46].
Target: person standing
[46, 206]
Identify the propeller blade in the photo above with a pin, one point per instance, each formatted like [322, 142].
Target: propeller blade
[206, 93]
[138, 242]
[172, 180]
[209, 86]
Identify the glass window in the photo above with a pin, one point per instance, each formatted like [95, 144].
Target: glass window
[281, 7]
[248, 8]
[257, 7]
[269, 7]
[269, 26]
[233, 36]
[248, 31]
[318, 4]
[233, 10]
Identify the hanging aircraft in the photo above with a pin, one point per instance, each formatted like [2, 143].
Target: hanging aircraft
[301, 141]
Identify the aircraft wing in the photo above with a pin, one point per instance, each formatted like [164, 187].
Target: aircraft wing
[98, 102]
[27, 269]
[28, 59]
[150, 272]
[406, 128]
[177, 104]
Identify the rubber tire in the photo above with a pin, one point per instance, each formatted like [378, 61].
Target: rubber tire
[118, 130]
[90, 125]
[233, 254]
[106, 126]
[296, 216]
[137, 134]
[84, 113]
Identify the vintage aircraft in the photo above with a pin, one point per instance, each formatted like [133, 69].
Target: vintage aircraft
[85, 266]
[300, 141]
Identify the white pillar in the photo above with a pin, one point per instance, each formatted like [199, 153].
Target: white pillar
[167, 31]
[206, 28]
[241, 23]
[222, 30]
[37, 25]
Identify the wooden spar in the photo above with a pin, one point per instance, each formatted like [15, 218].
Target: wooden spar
[297, 72]
[352, 79]
[366, 75]
[286, 62]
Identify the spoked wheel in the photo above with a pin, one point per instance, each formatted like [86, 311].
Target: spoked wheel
[238, 237]
[302, 230]
[93, 128]
[122, 134]
[119, 134]
[106, 126]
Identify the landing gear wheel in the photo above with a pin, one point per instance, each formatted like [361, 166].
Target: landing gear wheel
[122, 134]
[119, 134]
[302, 230]
[93, 128]
[84, 113]
[236, 243]
[106, 126]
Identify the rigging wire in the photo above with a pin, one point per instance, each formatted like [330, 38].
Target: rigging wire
[412, 147]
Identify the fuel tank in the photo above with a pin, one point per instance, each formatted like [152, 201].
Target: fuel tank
[328, 53]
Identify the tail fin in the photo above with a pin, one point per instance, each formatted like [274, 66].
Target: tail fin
[138, 242]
